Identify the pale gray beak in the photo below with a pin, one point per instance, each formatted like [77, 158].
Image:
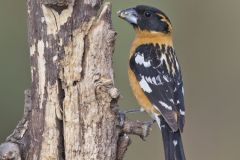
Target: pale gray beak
[130, 15]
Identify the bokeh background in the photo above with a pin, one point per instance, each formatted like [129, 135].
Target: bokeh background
[207, 41]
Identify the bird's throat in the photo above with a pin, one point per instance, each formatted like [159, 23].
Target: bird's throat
[146, 37]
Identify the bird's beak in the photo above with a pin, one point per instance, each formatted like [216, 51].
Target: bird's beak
[130, 15]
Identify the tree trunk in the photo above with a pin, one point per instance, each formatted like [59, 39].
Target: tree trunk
[71, 110]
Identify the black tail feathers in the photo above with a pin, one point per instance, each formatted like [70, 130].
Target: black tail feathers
[172, 141]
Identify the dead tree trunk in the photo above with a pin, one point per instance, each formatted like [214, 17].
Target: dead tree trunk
[71, 110]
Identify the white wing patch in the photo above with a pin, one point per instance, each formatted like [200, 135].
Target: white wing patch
[165, 105]
[166, 78]
[144, 85]
[158, 79]
[171, 100]
[139, 59]
[175, 143]
[149, 79]
[154, 80]
[182, 112]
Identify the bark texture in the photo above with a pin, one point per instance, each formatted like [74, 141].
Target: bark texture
[71, 109]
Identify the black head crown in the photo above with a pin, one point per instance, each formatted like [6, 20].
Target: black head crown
[147, 18]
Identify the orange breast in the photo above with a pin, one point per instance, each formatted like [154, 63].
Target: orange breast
[145, 38]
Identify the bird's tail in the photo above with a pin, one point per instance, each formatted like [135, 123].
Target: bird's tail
[172, 141]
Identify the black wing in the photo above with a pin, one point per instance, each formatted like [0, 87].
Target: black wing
[158, 72]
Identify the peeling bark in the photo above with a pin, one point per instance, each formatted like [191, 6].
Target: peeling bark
[71, 110]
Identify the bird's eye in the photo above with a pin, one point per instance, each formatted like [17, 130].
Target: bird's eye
[147, 14]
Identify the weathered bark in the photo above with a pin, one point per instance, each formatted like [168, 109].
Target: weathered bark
[71, 111]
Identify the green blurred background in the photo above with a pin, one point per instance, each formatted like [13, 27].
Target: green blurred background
[207, 41]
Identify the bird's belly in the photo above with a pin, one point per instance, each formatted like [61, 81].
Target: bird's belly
[139, 94]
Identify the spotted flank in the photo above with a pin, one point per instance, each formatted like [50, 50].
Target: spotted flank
[158, 73]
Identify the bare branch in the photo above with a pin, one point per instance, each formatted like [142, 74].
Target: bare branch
[123, 142]
[142, 129]
[139, 128]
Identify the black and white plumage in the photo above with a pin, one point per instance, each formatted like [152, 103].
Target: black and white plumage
[158, 72]
[155, 75]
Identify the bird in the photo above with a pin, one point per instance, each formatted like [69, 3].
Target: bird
[155, 74]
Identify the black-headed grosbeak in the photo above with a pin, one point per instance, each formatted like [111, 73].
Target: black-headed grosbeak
[155, 75]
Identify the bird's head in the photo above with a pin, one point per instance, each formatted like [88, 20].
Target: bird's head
[147, 19]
